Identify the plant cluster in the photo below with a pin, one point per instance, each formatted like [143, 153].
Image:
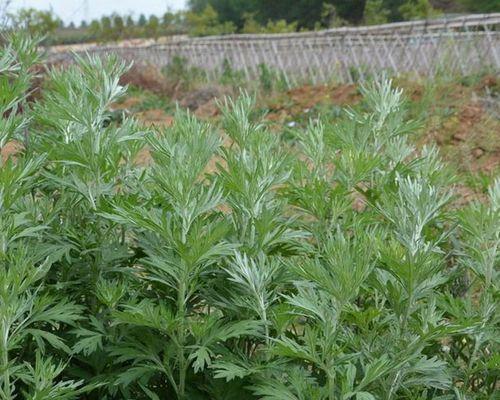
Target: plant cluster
[234, 266]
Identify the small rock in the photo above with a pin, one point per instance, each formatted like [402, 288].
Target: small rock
[196, 98]
[10, 150]
[155, 117]
[477, 152]
[207, 110]
[460, 136]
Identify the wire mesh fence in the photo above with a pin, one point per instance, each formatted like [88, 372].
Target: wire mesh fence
[460, 45]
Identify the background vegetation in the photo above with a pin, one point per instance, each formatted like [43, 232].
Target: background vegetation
[217, 17]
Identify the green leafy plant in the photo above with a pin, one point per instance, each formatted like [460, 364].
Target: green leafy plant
[206, 22]
[271, 79]
[231, 76]
[181, 75]
[238, 263]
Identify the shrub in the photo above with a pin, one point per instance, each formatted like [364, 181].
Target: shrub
[419, 9]
[207, 23]
[375, 13]
[271, 79]
[251, 270]
[182, 75]
[230, 75]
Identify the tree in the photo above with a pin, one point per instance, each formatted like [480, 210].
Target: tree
[173, 22]
[375, 13]
[168, 22]
[106, 26]
[142, 20]
[36, 22]
[207, 23]
[118, 26]
[251, 25]
[230, 10]
[130, 28]
[330, 17]
[95, 28]
[417, 9]
[483, 6]
[167, 18]
[83, 24]
[280, 26]
[129, 22]
[153, 27]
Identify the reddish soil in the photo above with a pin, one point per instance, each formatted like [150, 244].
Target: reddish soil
[128, 104]
[490, 82]
[197, 98]
[310, 96]
[155, 117]
[208, 110]
[143, 158]
[465, 195]
[301, 100]
[469, 139]
[148, 78]
[10, 150]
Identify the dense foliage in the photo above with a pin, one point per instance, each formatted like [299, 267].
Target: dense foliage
[309, 13]
[237, 264]
[218, 17]
[37, 22]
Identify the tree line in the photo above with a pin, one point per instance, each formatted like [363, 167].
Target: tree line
[217, 17]
[308, 14]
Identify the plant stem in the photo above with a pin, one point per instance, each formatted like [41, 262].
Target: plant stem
[181, 311]
[331, 386]
[5, 364]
